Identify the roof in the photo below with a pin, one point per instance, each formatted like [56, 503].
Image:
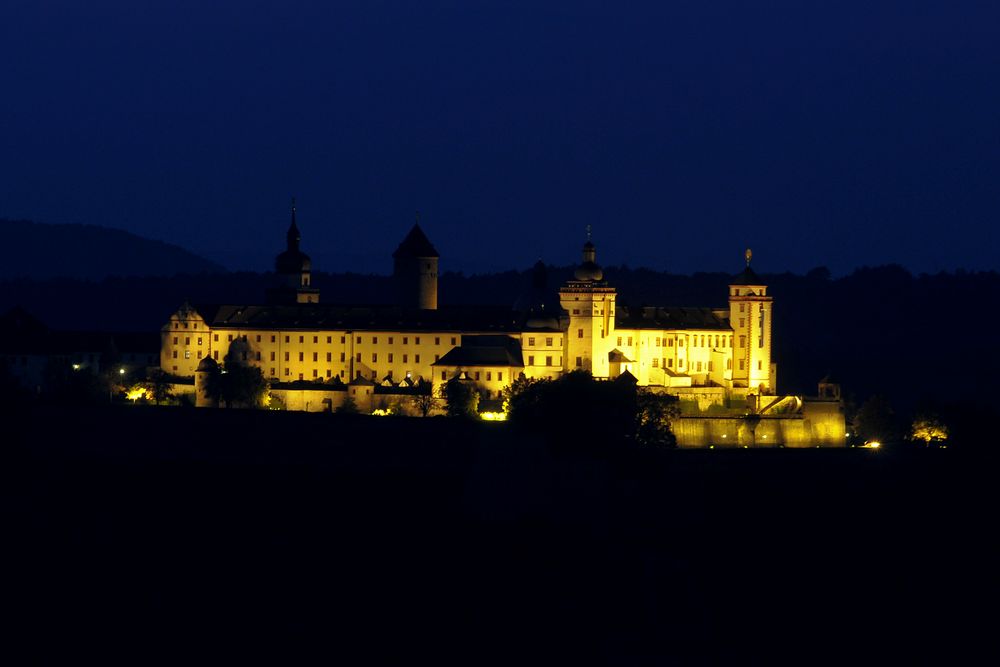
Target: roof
[617, 356]
[416, 244]
[747, 277]
[484, 351]
[361, 318]
[656, 317]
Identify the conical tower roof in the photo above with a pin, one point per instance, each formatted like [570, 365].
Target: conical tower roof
[416, 244]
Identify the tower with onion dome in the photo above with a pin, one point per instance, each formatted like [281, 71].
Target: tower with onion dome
[590, 303]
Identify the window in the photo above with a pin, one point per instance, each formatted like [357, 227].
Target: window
[272, 356]
[657, 344]
[272, 371]
[760, 342]
[576, 311]
[716, 341]
[444, 375]
[230, 337]
[358, 357]
[499, 376]
[416, 358]
[416, 340]
[548, 361]
[670, 363]
[175, 354]
[329, 339]
[454, 341]
[374, 340]
[390, 357]
[680, 362]
[656, 363]
[390, 340]
[315, 373]
[531, 341]
[258, 356]
[760, 365]
[300, 376]
[729, 364]
[531, 360]
[343, 356]
[477, 376]
[743, 306]
[302, 339]
[286, 339]
[436, 357]
[286, 356]
[287, 371]
[358, 341]
[437, 340]
[302, 356]
[329, 357]
[176, 325]
[389, 374]
[199, 340]
[579, 362]
[343, 340]
[342, 373]
[619, 341]
[273, 338]
[489, 376]
[328, 373]
[187, 340]
[579, 333]
[741, 364]
[548, 342]
[710, 365]
[743, 322]
[630, 341]
[258, 338]
[670, 342]
[405, 358]
[743, 341]
[406, 340]
[215, 355]
[699, 366]
[680, 342]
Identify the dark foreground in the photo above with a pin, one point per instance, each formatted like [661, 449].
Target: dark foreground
[166, 535]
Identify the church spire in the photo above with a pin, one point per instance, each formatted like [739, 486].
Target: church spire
[294, 237]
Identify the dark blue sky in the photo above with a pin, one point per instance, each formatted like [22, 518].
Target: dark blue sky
[834, 133]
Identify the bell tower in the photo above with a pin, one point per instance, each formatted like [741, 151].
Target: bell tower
[591, 307]
[750, 317]
[415, 270]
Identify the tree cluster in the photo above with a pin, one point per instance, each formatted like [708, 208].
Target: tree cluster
[582, 413]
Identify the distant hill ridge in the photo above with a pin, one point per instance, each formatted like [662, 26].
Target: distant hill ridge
[89, 252]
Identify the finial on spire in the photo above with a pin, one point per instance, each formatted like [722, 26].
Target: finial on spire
[416, 216]
[588, 232]
[748, 255]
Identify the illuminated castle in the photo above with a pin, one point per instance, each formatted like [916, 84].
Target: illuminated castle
[317, 353]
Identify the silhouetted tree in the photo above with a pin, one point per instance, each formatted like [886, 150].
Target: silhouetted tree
[461, 398]
[158, 384]
[348, 407]
[876, 420]
[236, 385]
[423, 400]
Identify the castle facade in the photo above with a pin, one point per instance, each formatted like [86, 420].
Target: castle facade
[294, 337]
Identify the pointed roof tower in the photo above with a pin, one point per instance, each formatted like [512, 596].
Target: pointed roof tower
[416, 244]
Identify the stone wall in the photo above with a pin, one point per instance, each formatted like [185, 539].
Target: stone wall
[819, 424]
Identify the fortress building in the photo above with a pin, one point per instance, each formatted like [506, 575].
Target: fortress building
[317, 353]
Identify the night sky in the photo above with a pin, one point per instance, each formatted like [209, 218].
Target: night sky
[836, 133]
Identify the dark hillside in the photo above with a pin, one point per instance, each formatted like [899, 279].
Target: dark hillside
[88, 252]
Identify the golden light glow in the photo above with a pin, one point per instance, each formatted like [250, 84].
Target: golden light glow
[381, 412]
[493, 416]
[137, 392]
[872, 444]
